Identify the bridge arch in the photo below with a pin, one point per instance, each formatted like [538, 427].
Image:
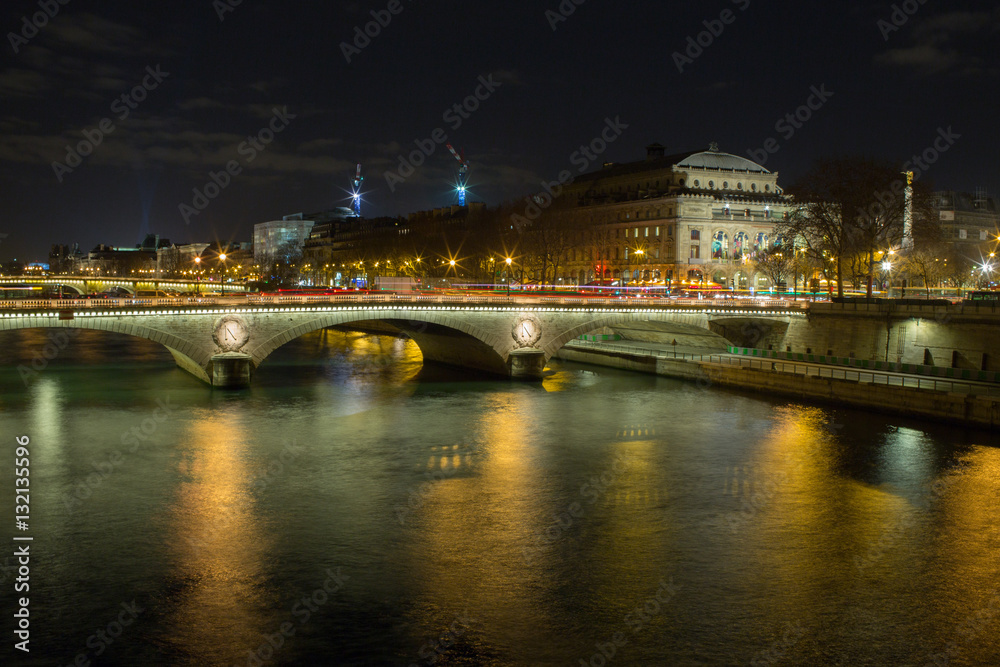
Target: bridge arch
[194, 358]
[742, 331]
[441, 337]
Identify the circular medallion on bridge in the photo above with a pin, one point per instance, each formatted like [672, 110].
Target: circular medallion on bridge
[527, 331]
[231, 333]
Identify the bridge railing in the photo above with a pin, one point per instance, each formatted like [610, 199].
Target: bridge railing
[383, 298]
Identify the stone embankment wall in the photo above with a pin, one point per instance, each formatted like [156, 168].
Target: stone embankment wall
[973, 410]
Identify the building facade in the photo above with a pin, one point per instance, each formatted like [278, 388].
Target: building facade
[969, 221]
[281, 240]
[699, 216]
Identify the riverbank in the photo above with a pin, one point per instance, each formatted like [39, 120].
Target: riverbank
[714, 369]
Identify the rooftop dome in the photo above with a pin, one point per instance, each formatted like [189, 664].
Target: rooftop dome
[715, 159]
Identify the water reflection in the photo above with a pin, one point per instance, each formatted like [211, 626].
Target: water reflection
[219, 541]
[835, 535]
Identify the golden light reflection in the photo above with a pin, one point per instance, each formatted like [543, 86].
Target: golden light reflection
[963, 512]
[218, 543]
[782, 490]
[473, 527]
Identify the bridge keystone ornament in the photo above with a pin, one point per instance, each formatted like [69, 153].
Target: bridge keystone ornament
[231, 333]
[527, 331]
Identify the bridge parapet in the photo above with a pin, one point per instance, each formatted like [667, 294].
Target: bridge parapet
[406, 299]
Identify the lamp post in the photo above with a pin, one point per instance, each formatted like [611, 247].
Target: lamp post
[222, 258]
[887, 267]
[509, 262]
[197, 264]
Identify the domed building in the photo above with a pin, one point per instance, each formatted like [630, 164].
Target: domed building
[697, 216]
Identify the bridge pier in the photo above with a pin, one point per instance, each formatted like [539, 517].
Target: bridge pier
[526, 364]
[232, 370]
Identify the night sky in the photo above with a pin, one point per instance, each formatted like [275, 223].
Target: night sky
[219, 81]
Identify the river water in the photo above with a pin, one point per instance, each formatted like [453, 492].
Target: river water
[355, 508]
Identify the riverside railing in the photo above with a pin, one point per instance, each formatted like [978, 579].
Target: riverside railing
[806, 369]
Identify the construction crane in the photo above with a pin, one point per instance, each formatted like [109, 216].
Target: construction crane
[463, 174]
[356, 191]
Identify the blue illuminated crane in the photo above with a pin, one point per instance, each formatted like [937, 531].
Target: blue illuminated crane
[463, 174]
[356, 191]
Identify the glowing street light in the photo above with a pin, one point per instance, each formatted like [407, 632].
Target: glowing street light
[509, 262]
[222, 258]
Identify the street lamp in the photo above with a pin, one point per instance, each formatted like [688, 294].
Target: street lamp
[197, 263]
[222, 258]
[509, 262]
[887, 267]
[642, 255]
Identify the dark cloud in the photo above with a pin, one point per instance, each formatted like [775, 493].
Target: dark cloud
[557, 88]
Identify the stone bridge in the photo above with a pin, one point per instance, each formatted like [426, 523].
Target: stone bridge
[222, 342]
[93, 285]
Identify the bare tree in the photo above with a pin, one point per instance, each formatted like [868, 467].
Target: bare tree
[850, 206]
[775, 263]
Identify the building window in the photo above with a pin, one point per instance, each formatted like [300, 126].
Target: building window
[647, 231]
[696, 252]
[695, 235]
[711, 185]
[636, 234]
[657, 231]
[746, 213]
[753, 187]
[739, 186]
[982, 234]
[767, 188]
[681, 182]
[725, 185]
[697, 183]
[962, 234]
